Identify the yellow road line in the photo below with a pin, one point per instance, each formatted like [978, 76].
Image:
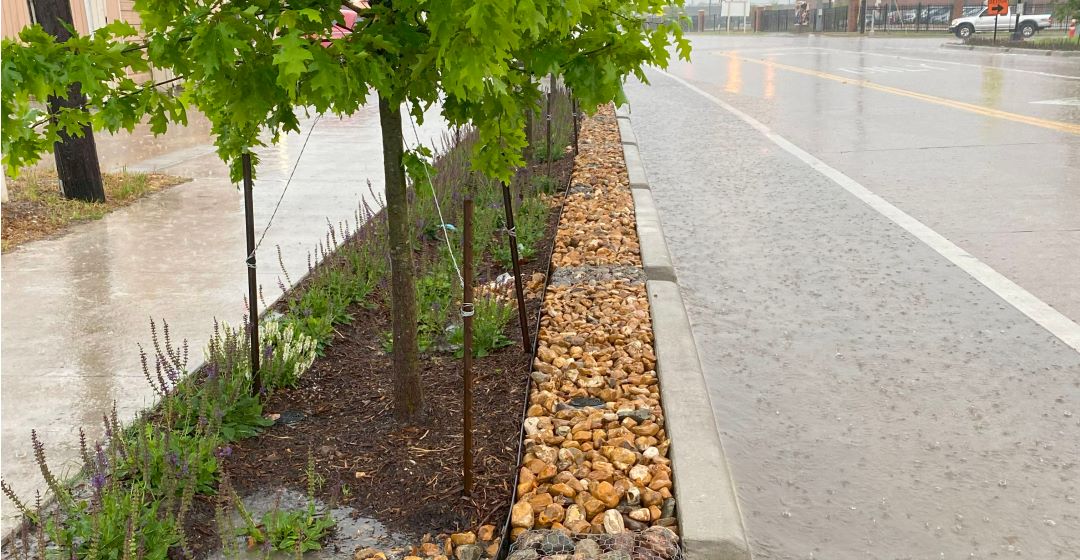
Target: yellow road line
[977, 109]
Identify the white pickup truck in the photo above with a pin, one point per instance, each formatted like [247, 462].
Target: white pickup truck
[983, 21]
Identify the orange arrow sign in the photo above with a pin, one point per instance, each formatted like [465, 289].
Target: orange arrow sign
[997, 7]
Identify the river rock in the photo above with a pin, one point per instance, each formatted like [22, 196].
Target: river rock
[551, 514]
[641, 514]
[463, 538]
[532, 425]
[521, 515]
[668, 508]
[526, 554]
[468, 552]
[660, 540]
[622, 458]
[586, 549]
[639, 415]
[639, 474]
[613, 522]
[606, 493]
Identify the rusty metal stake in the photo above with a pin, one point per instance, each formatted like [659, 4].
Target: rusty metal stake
[518, 287]
[467, 310]
[253, 302]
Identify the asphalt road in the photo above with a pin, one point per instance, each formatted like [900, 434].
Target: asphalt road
[878, 242]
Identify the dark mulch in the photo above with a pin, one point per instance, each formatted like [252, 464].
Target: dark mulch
[407, 477]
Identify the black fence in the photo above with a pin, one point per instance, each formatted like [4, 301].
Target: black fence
[829, 19]
[885, 18]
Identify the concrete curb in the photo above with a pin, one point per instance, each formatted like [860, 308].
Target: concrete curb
[1012, 50]
[710, 521]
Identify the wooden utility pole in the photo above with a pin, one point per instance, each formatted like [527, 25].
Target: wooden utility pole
[76, 158]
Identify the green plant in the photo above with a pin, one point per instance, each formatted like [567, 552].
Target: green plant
[490, 318]
[292, 530]
[287, 353]
[298, 530]
[219, 402]
[435, 292]
[544, 184]
[164, 461]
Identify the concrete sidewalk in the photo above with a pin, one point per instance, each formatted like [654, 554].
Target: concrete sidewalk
[75, 307]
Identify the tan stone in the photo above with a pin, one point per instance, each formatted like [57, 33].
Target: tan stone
[540, 501]
[563, 489]
[650, 497]
[580, 526]
[640, 514]
[429, 549]
[573, 513]
[639, 474]
[613, 522]
[551, 514]
[593, 507]
[485, 532]
[463, 538]
[521, 515]
[622, 458]
[606, 493]
[535, 465]
[493, 549]
[547, 473]
[655, 513]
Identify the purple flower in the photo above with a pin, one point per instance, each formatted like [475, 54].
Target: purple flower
[173, 458]
[102, 459]
[268, 352]
[223, 452]
[211, 372]
[97, 481]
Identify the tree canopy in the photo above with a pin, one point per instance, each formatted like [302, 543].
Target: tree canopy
[249, 64]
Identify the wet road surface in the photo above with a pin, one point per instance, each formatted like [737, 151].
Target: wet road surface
[876, 399]
[75, 307]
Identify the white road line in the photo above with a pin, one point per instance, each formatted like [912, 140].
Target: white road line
[1068, 101]
[1037, 310]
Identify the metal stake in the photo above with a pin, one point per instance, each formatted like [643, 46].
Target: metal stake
[467, 331]
[574, 109]
[512, 235]
[253, 302]
[551, 91]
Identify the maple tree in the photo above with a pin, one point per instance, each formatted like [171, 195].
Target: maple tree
[250, 65]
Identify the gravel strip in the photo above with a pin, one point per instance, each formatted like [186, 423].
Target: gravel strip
[596, 448]
[594, 274]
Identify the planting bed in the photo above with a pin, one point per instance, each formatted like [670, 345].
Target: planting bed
[213, 465]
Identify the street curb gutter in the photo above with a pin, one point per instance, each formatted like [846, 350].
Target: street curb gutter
[709, 518]
[1012, 50]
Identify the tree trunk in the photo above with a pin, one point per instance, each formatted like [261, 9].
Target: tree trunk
[408, 394]
[76, 158]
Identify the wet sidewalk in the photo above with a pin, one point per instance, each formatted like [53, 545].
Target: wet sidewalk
[75, 307]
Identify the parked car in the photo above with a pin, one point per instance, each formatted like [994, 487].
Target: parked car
[984, 21]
